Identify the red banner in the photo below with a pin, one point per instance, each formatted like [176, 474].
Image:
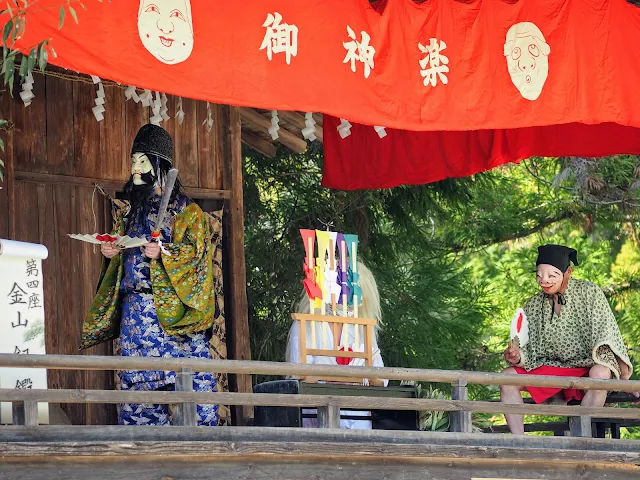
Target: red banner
[438, 65]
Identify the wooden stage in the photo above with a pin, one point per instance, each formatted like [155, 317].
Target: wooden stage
[235, 453]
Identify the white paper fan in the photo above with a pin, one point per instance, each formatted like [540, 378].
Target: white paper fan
[520, 328]
[117, 240]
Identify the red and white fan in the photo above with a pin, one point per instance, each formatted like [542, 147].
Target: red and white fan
[118, 241]
[519, 329]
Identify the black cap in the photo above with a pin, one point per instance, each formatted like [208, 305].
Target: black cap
[152, 139]
[557, 255]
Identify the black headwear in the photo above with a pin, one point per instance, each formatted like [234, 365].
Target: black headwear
[557, 255]
[152, 139]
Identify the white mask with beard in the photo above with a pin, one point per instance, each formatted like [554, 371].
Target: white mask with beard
[140, 165]
[166, 29]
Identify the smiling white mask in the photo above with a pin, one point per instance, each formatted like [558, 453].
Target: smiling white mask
[166, 29]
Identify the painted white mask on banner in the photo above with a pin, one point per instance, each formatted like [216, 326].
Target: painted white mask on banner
[140, 164]
[166, 29]
[527, 54]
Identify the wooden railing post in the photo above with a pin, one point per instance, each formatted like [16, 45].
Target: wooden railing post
[25, 413]
[580, 426]
[460, 421]
[329, 416]
[185, 413]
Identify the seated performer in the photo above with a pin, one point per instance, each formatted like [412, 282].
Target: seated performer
[158, 299]
[370, 308]
[572, 332]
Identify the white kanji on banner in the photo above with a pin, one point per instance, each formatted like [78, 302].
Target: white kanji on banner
[279, 37]
[359, 51]
[434, 64]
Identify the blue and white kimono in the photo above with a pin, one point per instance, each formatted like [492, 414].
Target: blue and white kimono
[142, 336]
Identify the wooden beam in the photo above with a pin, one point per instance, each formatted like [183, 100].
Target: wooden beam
[48, 179]
[287, 138]
[97, 362]
[258, 144]
[238, 342]
[298, 120]
[286, 400]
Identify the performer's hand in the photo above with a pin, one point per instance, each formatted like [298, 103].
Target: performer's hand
[512, 355]
[625, 374]
[108, 250]
[152, 250]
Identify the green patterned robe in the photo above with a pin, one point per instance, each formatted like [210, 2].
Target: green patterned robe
[182, 283]
[584, 334]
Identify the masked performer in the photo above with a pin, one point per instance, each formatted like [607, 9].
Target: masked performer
[158, 299]
[572, 332]
[370, 308]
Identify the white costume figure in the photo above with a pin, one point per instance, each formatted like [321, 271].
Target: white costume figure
[527, 54]
[370, 308]
[166, 29]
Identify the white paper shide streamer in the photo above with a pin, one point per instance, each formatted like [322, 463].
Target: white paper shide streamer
[98, 110]
[27, 90]
[131, 94]
[180, 112]
[344, 129]
[275, 125]
[381, 131]
[209, 120]
[156, 118]
[164, 109]
[146, 98]
[309, 132]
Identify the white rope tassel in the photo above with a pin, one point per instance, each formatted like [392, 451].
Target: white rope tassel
[380, 131]
[156, 119]
[309, 132]
[275, 125]
[180, 112]
[27, 90]
[98, 110]
[209, 120]
[344, 129]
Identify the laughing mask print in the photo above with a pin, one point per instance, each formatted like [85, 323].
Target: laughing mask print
[166, 29]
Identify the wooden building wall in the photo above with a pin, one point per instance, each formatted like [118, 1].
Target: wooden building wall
[56, 154]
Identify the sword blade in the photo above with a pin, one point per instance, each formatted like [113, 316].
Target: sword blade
[172, 175]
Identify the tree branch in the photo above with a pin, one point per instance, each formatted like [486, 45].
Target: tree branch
[523, 233]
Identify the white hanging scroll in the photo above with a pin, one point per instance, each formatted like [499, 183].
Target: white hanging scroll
[22, 318]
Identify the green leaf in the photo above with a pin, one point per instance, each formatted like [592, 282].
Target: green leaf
[8, 27]
[83, 7]
[53, 52]
[42, 58]
[31, 59]
[1, 146]
[23, 67]
[3, 123]
[73, 13]
[62, 13]
[9, 68]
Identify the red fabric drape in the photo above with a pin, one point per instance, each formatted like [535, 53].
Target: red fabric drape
[364, 160]
[501, 80]
[215, 54]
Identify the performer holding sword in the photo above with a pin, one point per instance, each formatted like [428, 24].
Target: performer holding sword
[158, 300]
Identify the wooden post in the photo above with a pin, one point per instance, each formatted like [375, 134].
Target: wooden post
[329, 416]
[460, 421]
[234, 261]
[185, 414]
[25, 413]
[580, 426]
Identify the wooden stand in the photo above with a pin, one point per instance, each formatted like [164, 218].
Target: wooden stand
[337, 323]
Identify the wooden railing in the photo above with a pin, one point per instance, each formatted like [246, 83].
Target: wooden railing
[25, 401]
